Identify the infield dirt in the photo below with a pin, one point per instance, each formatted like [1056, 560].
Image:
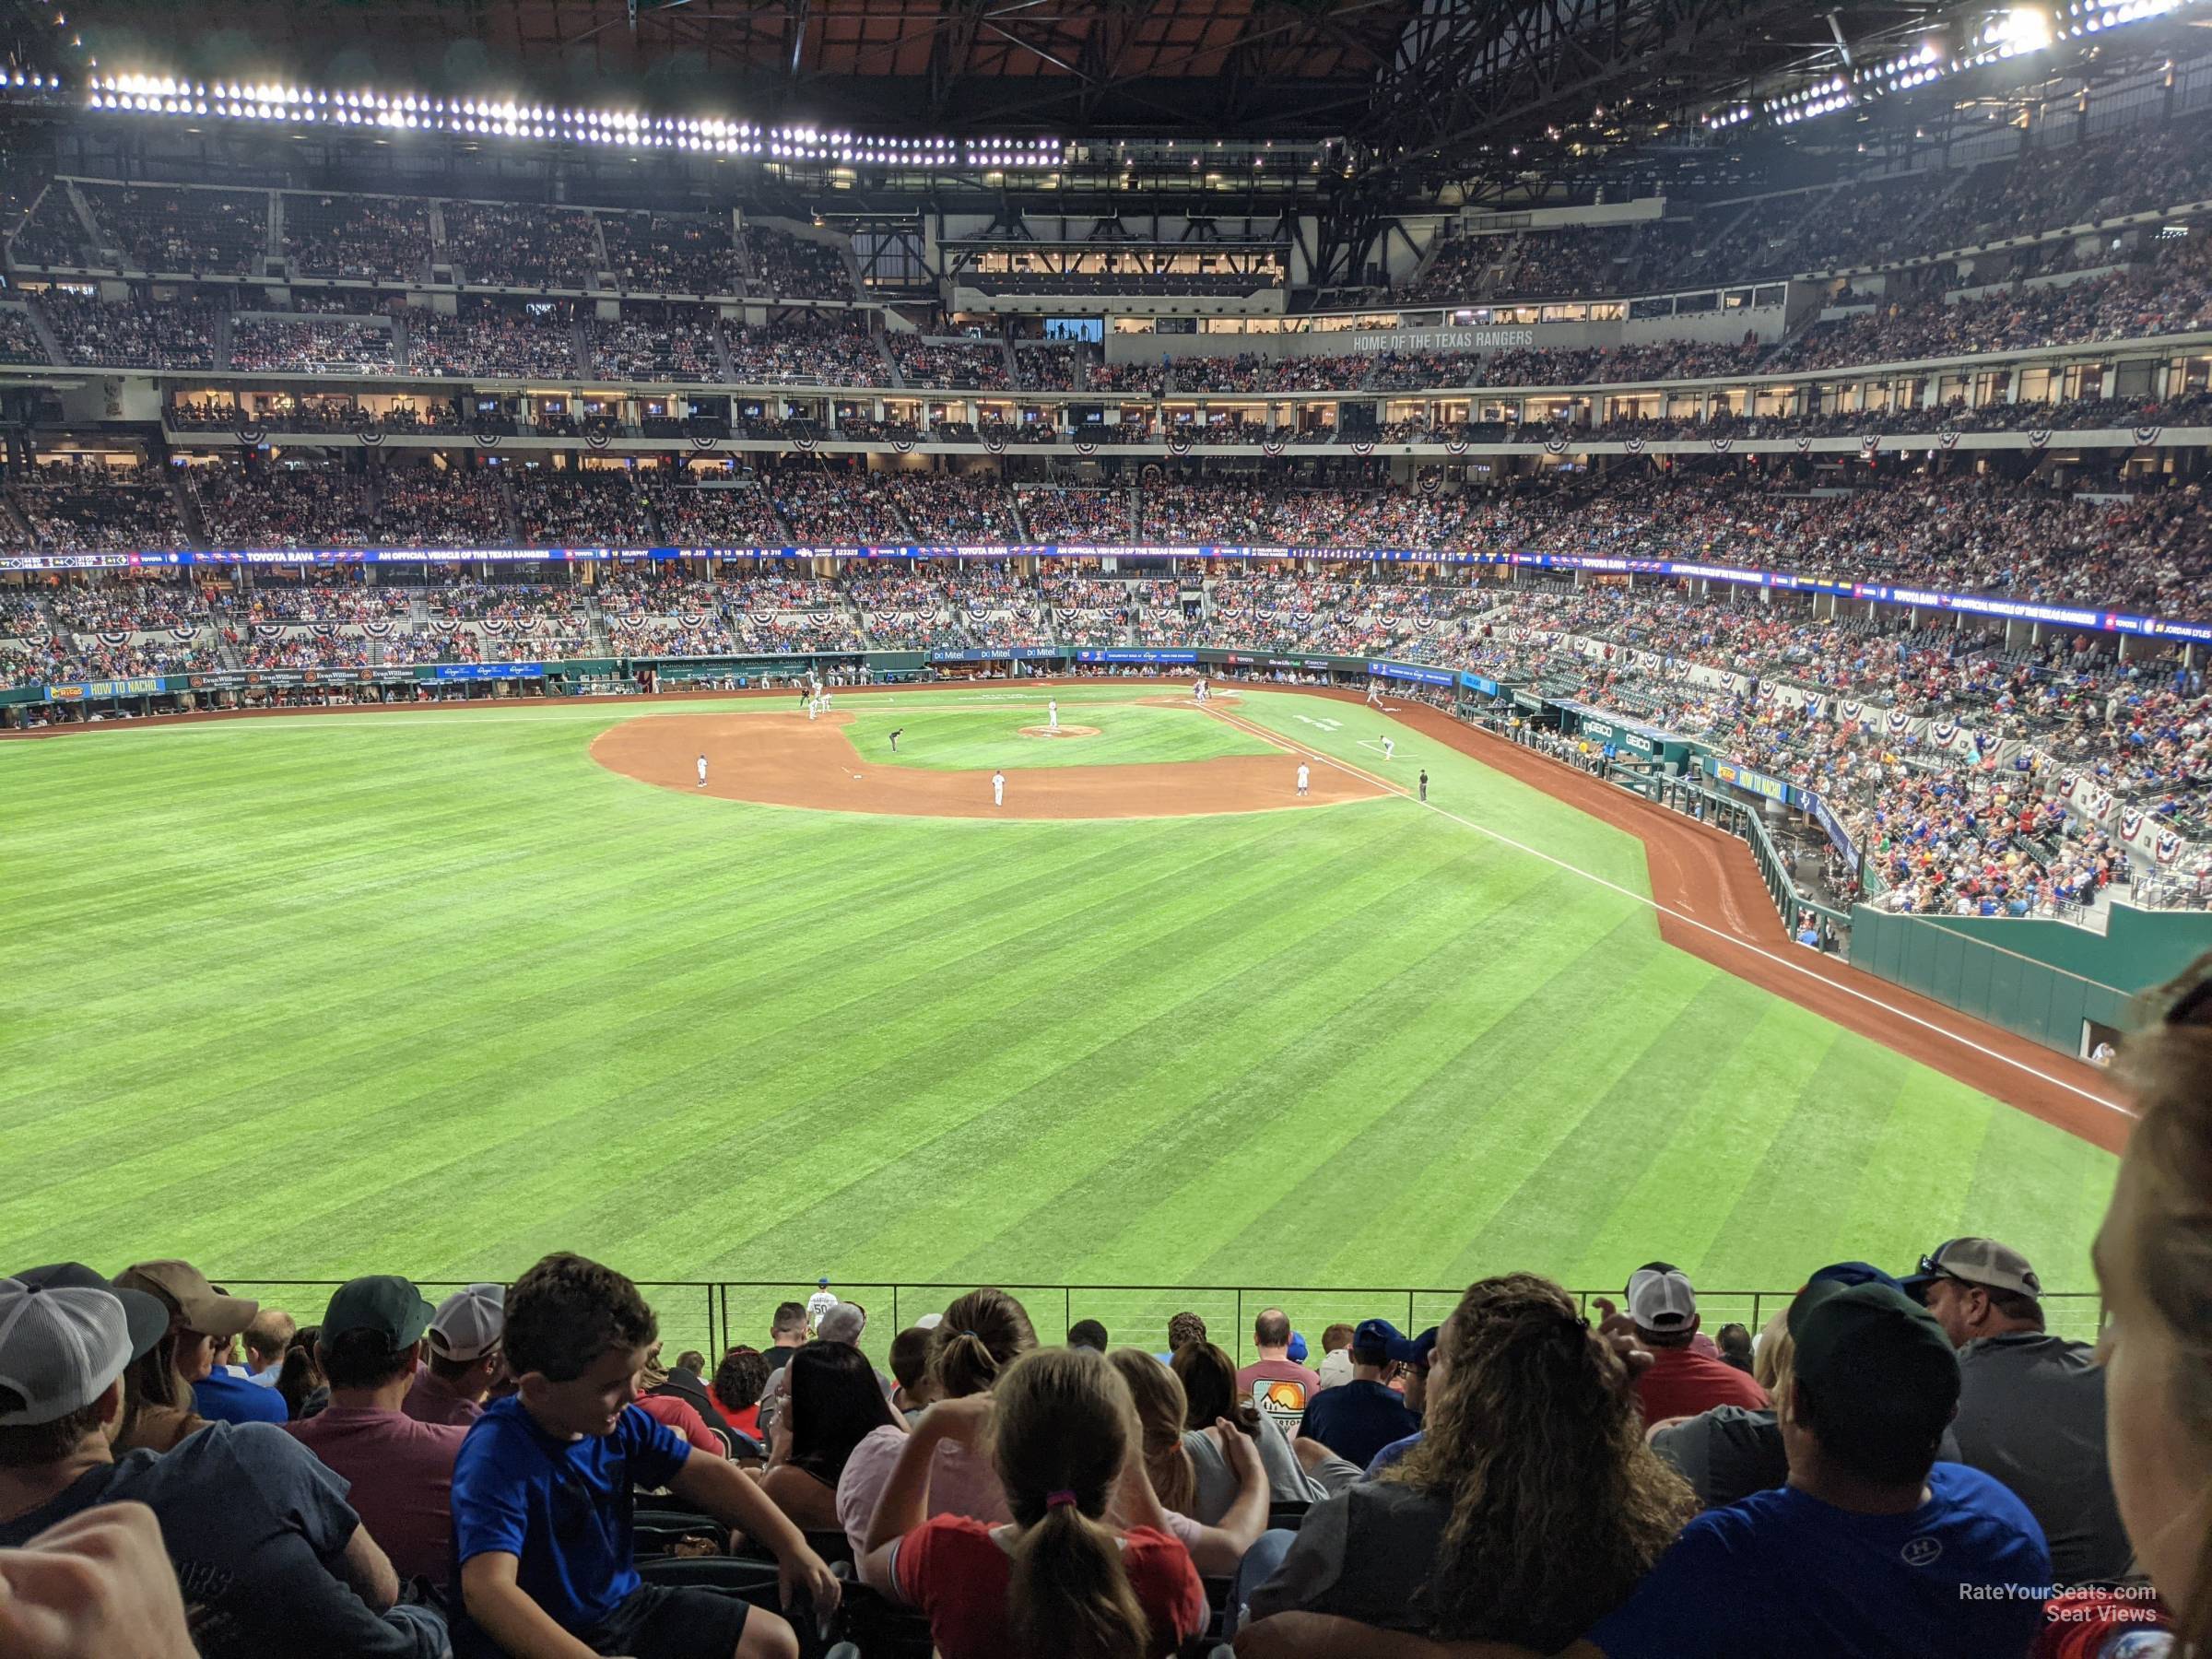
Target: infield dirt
[789, 761]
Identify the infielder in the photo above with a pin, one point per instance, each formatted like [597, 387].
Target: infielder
[1374, 694]
[998, 789]
[1424, 784]
[702, 771]
[1051, 715]
[895, 739]
[1390, 746]
[1303, 777]
[814, 706]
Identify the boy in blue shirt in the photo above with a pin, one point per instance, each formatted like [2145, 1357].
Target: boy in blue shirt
[541, 1496]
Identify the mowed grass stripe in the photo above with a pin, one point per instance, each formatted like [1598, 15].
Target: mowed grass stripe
[468, 1055]
[1046, 1064]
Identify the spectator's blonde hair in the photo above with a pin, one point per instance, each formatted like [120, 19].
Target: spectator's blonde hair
[2168, 1069]
[1533, 1437]
[1158, 1395]
[982, 1333]
[1061, 1427]
[1774, 1362]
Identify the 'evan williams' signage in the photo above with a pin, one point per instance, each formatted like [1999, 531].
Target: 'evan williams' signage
[1445, 339]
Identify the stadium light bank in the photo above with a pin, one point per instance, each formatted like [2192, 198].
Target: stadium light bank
[1995, 37]
[175, 97]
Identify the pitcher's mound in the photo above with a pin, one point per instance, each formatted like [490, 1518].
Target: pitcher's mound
[1066, 731]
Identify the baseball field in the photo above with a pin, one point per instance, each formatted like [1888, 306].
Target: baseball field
[435, 991]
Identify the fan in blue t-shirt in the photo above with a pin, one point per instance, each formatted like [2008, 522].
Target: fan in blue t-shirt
[1874, 1551]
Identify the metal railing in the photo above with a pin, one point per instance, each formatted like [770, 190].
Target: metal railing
[713, 1314]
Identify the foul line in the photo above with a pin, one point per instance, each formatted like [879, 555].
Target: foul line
[1242, 724]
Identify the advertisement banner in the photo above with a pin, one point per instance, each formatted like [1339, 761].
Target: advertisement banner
[1744, 778]
[488, 671]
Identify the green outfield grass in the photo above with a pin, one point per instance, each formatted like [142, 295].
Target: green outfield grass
[433, 993]
[979, 739]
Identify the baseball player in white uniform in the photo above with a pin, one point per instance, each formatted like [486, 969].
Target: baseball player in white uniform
[821, 1302]
[1390, 746]
[1374, 694]
[1303, 777]
[1051, 715]
[998, 789]
[702, 771]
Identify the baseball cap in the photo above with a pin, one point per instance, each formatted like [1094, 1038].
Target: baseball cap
[1853, 1273]
[1378, 1335]
[841, 1324]
[1983, 1262]
[382, 1302]
[61, 1346]
[1872, 1353]
[148, 1316]
[1296, 1352]
[467, 1325]
[192, 1301]
[1416, 1351]
[1660, 1298]
[823, 1281]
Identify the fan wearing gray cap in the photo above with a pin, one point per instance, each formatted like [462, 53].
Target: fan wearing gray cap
[249, 1519]
[464, 1361]
[2030, 1405]
[1681, 1382]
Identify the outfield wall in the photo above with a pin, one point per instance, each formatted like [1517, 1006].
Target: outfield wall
[2051, 982]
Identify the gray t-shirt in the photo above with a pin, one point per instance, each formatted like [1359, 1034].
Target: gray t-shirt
[1731, 1451]
[1217, 1487]
[1365, 1555]
[254, 1525]
[2031, 1414]
[1727, 1454]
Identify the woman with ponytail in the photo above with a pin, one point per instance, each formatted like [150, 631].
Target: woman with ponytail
[982, 1333]
[1058, 1579]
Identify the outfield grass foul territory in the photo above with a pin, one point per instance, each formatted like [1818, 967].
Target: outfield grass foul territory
[435, 991]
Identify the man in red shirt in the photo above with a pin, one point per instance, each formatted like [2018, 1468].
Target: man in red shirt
[401, 1471]
[1681, 1382]
[1276, 1383]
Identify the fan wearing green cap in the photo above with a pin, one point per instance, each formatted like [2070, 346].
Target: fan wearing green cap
[270, 1556]
[400, 1471]
[1873, 1549]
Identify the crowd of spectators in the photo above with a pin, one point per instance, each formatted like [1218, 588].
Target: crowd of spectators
[166, 228]
[494, 338]
[825, 349]
[951, 365]
[795, 267]
[20, 341]
[656, 343]
[670, 253]
[508, 244]
[370, 238]
[311, 345]
[586, 507]
[704, 514]
[1056, 515]
[839, 508]
[142, 332]
[1049, 368]
[88, 507]
[948, 508]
